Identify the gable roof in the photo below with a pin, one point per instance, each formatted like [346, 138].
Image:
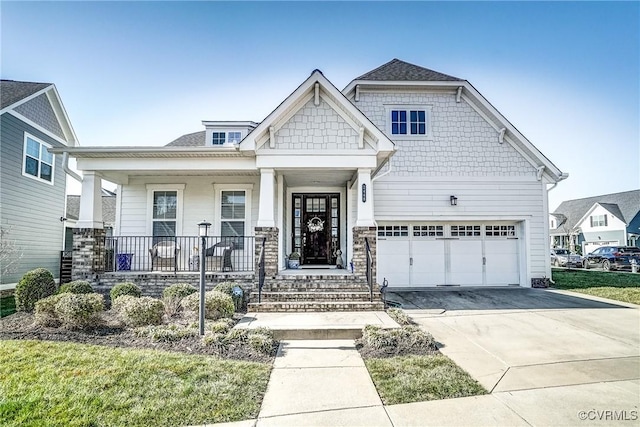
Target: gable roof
[625, 206]
[400, 74]
[12, 91]
[252, 141]
[397, 70]
[195, 139]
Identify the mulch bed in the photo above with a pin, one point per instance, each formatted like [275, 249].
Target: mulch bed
[21, 326]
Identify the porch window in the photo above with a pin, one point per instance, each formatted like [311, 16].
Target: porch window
[165, 210]
[233, 216]
[38, 162]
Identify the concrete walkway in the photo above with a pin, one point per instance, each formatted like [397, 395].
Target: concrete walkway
[547, 358]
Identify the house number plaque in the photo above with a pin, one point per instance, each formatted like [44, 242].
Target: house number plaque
[364, 193]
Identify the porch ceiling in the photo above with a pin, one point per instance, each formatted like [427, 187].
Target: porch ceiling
[308, 178]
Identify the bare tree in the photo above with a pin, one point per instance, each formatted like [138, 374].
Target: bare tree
[9, 253]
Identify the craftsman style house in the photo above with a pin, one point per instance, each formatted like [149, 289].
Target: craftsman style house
[409, 168]
[32, 200]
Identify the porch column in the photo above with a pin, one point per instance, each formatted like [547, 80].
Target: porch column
[365, 199]
[266, 204]
[90, 215]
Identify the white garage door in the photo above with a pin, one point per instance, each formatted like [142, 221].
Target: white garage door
[448, 255]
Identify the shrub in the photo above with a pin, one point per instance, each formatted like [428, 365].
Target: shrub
[125, 288]
[222, 325]
[216, 304]
[399, 316]
[168, 333]
[261, 343]
[79, 310]
[179, 290]
[76, 287]
[173, 295]
[398, 341]
[141, 311]
[46, 311]
[32, 287]
[260, 340]
[231, 289]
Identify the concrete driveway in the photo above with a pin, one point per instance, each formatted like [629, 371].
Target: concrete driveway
[545, 355]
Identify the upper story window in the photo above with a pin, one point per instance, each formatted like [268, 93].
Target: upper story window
[598, 220]
[409, 121]
[38, 163]
[234, 137]
[218, 138]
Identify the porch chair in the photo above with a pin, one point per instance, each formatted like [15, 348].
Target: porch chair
[219, 256]
[164, 255]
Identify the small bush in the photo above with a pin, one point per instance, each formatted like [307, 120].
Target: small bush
[79, 310]
[125, 288]
[222, 326]
[216, 304]
[231, 289]
[32, 287]
[76, 287]
[259, 340]
[399, 316]
[179, 290]
[379, 342]
[141, 311]
[168, 333]
[46, 311]
[173, 295]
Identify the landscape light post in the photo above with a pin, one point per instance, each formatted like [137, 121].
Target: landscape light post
[203, 230]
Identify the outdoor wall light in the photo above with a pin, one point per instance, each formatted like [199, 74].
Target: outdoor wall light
[453, 200]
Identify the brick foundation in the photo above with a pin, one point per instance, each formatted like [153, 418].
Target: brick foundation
[270, 250]
[359, 256]
[88, 254]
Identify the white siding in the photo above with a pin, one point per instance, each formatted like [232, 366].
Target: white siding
[198, 203]
[422, 199]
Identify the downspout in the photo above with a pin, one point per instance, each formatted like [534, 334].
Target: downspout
[65, 167]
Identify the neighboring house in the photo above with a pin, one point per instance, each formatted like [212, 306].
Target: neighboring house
[32, 200]
[610, 219]
[73, 209]
[415, 163]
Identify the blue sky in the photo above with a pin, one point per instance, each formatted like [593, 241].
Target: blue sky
[144, 73]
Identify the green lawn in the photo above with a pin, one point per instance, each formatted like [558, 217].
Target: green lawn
[7, 306]
[68, 384]
[606, 284]
[405, 379]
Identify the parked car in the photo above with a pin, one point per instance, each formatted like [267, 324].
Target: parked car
[613, 257]
[564, 258]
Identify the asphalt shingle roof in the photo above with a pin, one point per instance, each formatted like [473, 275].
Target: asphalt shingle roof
[12, 91]
[195, 139]
[625, 206]
[397, 70]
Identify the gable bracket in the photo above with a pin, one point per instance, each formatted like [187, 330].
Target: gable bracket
[501, 135]
[316, 94]
[357, 96]
[361, 138]
[459, 94]
[539, 173]
[272, 137]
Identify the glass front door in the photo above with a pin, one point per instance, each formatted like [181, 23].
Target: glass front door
[316, 233]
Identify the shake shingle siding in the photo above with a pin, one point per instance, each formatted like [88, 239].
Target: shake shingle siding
[40, 111]
[29, 208]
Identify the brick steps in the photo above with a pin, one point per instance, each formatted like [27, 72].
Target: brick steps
[306, 306]
[297, 296]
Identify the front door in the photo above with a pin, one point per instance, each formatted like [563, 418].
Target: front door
[316, 230]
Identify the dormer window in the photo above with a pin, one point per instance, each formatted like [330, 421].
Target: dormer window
[218, 138]
[234, 137]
